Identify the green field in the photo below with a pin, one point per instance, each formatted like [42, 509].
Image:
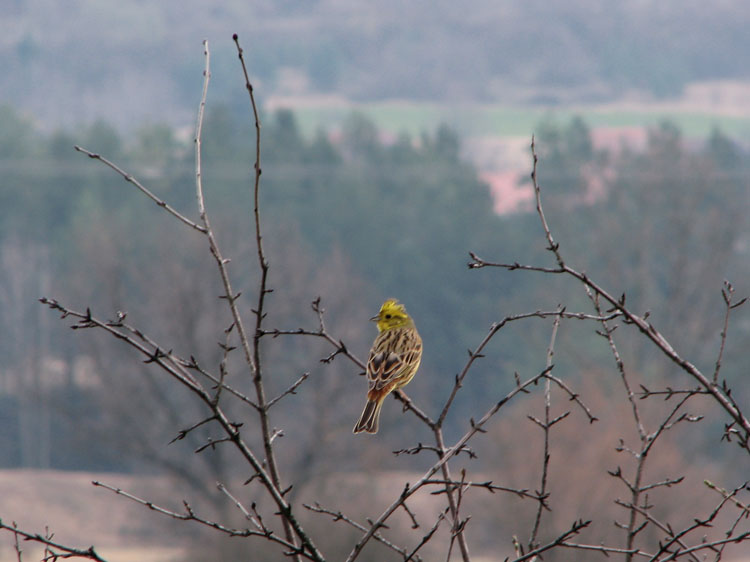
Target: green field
[480, 120]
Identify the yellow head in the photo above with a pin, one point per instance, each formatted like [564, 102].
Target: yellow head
[392, 315]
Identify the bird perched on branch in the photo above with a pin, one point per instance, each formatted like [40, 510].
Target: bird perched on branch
[394, 359]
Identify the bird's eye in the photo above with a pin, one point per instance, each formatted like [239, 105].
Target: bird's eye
[387, 316]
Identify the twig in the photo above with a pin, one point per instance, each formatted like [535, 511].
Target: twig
[743, 514]
[457, 530]
[546, 427]
[476, 426]
[421, 447]
[425, 539]
[457, 533]
[184, 432]
[226, 349]
[489, 486]
[667, 529]
[727, 293]
[238, 504]
[574, 530]
[339, 516]
[67, 551]
[291, 390]
[172, 366]
[706, 546]
[410, 513]
[190, 515]
[16, 544]
[552, 245]
[668, 393]
[253, 358]
[497, 326]
[192, 364]
[606, 550]
[731, 496]
[130, 179]
[149, 349]
[574, 396]
[720, 393]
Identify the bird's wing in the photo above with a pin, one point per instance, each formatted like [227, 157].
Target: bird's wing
[384, 367]
[391, 357]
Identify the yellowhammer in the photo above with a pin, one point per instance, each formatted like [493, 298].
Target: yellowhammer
[394, 359]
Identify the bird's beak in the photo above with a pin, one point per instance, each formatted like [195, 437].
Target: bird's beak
[375, 318]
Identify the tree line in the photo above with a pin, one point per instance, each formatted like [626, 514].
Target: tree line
[366, 219]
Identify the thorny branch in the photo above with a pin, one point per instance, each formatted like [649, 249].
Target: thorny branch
[409, 490]
[339, 516]
[130, 179]
[253, 358]
[575, 529]
[55, 549]
[490, 487]
[190, 515]
[636, 488]
[266, 468]
[546, 426]
[174, 366]
[722, 394]
[740, 426]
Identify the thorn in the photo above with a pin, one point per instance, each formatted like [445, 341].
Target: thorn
[476, 427]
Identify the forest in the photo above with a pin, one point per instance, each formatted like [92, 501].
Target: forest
[359, 220]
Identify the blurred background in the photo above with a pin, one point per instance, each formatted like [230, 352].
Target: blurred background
[395, 140]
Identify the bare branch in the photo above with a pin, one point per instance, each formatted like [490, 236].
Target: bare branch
[425, 539]
[476, 426]
[731, 496]
[63, 551]
[719, 393]
[545, 427]
[184, 432]
[218, 382]
[457, 531]
[339, 516]
[255, 521]
[663, 527]
[489, 486]
[16, 544]
[174, 367]
[496, 327]
[574, 396]
[190, 515]
[727, 294]
[576, 528]
[130, 179]
[291, 390]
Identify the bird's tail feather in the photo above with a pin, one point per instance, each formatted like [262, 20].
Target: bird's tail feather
[368, 421]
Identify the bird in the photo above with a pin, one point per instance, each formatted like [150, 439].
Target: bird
[394, 358]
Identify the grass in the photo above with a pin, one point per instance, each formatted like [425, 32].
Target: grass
[503, 121]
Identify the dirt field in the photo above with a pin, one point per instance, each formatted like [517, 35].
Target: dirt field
[82, 515]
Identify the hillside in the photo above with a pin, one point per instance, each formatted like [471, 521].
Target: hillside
[135, 61]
